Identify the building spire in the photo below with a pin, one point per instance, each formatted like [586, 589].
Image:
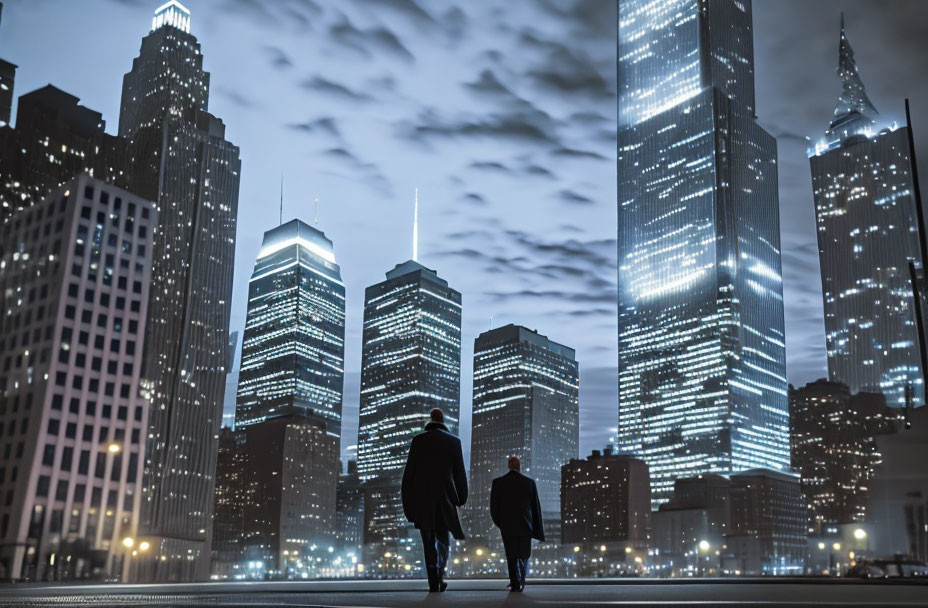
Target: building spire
[281, 199]
[853, 99]
[415, 229]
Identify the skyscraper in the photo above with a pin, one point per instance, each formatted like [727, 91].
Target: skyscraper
[293, 349]
[702, 372]
[526, 404]
[289, 406]
[410, 363]
[178, 157]
[74, 283]
[55, 140]
[868, 231]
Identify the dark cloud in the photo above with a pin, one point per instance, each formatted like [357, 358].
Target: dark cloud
[526, 126]
[368, 42]
[406, 8]
[564, 70]
[490, 166]
[539, 171]
[454, 20]
[236, 97]
[487, 83]
[278, 57]
[570, 196]
[574, 153]
[474, 199]
[326, 125]
[322, 85]
[564, 297]
[589, 117]
[588, 19]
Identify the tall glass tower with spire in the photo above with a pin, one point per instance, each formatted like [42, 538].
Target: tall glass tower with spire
[179, 158]
[410, 363]
[702, 373]
[868, 231]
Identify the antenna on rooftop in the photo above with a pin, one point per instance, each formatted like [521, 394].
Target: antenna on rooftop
[281, 198]
[415, 230]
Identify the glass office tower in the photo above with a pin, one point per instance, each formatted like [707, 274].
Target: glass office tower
[865, 211]
[293, 349]
[179, 158]
[410, 363]
[289, 407]
[702, 372]
[526, 404]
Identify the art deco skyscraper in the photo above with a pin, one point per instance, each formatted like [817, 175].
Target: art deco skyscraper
[289, 406]
[178, 157]
[410, 363]
[702, 372]
[526, 404]
[868, 231]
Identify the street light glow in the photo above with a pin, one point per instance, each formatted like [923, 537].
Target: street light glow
[113, 448]
[860, 534]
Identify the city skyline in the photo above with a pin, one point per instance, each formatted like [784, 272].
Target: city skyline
[784, 35]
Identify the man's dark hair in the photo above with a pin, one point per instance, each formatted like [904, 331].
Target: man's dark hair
[437, 415]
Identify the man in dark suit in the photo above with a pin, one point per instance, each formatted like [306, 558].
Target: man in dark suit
[516, 510]
[434, 485]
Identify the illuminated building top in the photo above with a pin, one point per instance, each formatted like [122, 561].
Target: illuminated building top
[855, 114]
[171, 13]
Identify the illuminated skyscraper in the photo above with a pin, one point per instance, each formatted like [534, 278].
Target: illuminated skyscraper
[410, 363]
[293, 349]
[867, 233]
[178, 157]
[74, 284]
[526, 404]
[289, 406]
[702, 372]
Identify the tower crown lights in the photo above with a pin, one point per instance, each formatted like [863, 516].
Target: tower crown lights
[171, 13]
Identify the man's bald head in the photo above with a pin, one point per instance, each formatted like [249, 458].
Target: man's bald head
[515, 464]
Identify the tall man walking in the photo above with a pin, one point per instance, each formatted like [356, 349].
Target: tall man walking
[516, 510]
[434, 485]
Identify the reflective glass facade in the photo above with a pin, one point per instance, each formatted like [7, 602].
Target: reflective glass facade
[702, 372]
[526, 404]
[293, 349]
[410, 363]
[867, 233]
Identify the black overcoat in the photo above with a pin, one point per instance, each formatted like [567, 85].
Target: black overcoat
[514, 506]
[434, 481]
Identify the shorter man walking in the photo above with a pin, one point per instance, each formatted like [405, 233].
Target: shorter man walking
[434, 485]
[516, 511]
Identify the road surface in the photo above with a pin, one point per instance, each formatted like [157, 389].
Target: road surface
[483, 593]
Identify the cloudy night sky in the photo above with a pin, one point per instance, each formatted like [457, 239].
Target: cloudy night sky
[502, 113]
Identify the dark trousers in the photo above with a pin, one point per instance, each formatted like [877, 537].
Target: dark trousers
[435, 545]
[518, 551]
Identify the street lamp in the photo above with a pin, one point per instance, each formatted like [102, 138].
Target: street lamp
[128, 542]
[860, 534]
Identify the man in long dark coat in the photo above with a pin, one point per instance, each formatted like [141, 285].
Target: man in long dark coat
[516, 510]
[434, 486]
